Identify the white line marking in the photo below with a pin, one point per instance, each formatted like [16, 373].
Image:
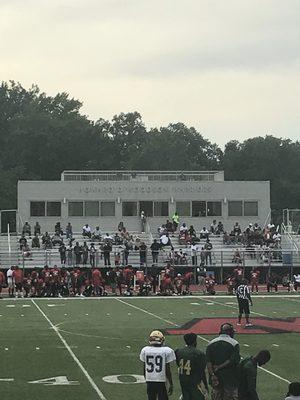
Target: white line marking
[246, 345]
[10, 305]
[195, 304]
[55, 305]
[6, 379]
[64, 342]
[26, 305]
[201, 337]
[196, 294]
[275, 345]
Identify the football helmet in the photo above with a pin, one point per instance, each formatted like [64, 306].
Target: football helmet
[156, 337]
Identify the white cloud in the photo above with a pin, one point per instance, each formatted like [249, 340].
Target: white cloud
[230, 68]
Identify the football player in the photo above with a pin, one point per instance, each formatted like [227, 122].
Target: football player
[156, 359]
[191, 368]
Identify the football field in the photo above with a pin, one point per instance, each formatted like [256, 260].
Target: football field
[88, 349]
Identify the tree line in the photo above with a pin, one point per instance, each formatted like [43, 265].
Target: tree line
[40, 136]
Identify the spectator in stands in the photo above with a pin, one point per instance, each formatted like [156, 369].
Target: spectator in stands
[46, 241]
[85, 253]
[204, 234]
[37, 229]
[78, 252]
[69, 231]
[63, 254]
[155, 247]
[192, 233]
[194, 251]
[165, 240]
[93, 253]
[86, 231]
[183, 228]
[143, 253]
[208, 248]
[214, 227]
[107, 248]
[56, 239]
[143, 222]
[175, 221]
[126, 252]
[70, 254]
[169, 226]
[294, 391]
[35, 243]
[22, 242]
[118, 239]
[237, 229]
[120, 226]
[58, 228]
[220, 228]
[96, 235]
[26, 229]
[108, 239]
[226, 238]
[162, 230]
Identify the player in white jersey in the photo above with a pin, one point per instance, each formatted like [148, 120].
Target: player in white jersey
[157, 358]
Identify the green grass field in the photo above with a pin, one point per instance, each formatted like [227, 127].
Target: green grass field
[86, 340]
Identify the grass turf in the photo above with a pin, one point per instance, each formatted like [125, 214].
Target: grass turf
[106, 335]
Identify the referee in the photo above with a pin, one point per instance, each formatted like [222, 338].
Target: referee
[244, 299]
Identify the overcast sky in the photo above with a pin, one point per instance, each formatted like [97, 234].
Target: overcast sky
[231, 68]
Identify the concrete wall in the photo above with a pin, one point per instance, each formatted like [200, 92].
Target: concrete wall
[140, 191]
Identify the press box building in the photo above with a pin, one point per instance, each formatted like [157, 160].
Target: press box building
[105, 198]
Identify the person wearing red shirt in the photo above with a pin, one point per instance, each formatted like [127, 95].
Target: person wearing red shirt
[97, 282]
[178, 284]
[187, 280]
[238, 276]
[18, 277]
[254, 278]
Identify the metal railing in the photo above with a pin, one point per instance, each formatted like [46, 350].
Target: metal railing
[213, 259]
[142, 175]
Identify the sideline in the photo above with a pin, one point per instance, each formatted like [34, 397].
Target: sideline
[64, 342]
[194, 296]
[201, 337]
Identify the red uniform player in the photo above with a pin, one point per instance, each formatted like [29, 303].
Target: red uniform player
[254, 279]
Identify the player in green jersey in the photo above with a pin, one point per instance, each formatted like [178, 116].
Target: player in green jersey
[191, 368]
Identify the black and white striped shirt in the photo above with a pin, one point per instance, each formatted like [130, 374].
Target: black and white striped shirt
[243, 292]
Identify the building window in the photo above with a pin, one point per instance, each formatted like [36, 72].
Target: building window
[91, 208]
[214, 209]
[250, 208]
[129, 209]
[147, 207]
[108, 209]
[75, 208]
[198, 208]
[53, 208]
[183, 208]
[37, 209]
[235, 208]
[161, 209]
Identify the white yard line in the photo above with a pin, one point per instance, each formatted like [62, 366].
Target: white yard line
[201, 337]
[64, 342]
[195, 296]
